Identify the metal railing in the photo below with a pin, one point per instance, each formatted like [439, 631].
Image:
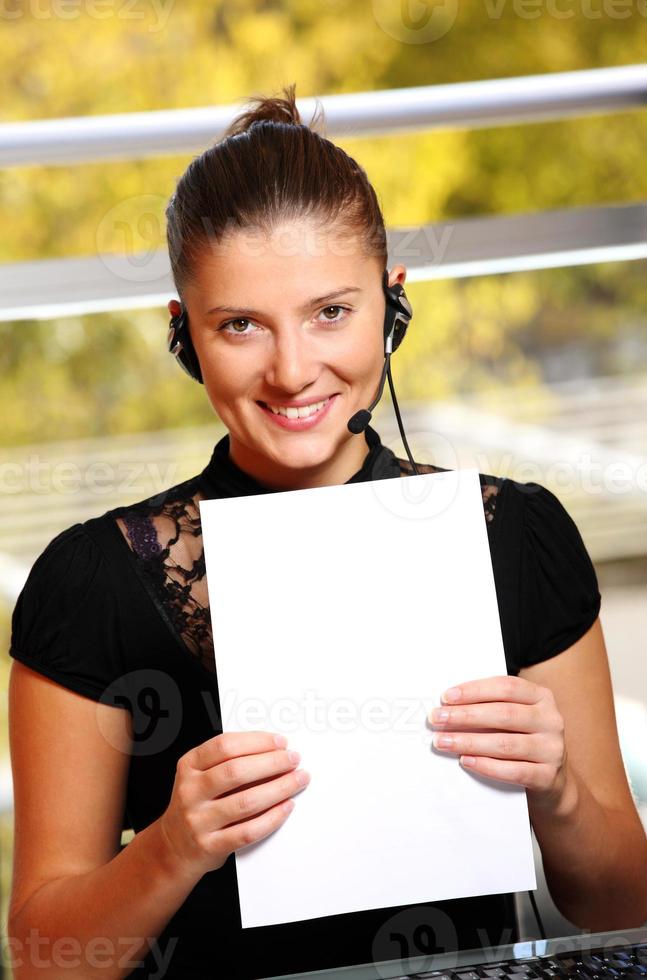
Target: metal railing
[443, 250]
[467, 105]
[465, 247]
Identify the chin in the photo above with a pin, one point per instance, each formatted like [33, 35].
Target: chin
[303, 457]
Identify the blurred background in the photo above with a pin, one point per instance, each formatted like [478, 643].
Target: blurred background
[525, 233]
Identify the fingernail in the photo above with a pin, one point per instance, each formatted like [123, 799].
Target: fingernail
[443, 741]
[452, 694]
[281, 741]
[467, 760]
[439, 715]
[302, 777]
[293, 756]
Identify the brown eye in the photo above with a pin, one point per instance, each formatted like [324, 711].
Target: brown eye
[336, 319]
[229, 323]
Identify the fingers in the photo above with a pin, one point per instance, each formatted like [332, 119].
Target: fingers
[241, 834]
[504, 715]
[499, 688]
[246, 770]
[500, 745]
[532, 761]
[519, 730]
[197, 813]
[506, 702]
[228, 745]
[531, 775]
[250, 801]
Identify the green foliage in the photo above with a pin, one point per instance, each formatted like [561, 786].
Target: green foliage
[87, 376]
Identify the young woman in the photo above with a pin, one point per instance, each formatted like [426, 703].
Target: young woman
[278, 253]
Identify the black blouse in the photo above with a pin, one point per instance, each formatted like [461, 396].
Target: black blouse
[116, 608]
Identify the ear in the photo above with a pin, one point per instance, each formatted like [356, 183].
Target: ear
[397, 274]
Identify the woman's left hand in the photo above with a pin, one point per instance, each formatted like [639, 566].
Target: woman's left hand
[527, 743]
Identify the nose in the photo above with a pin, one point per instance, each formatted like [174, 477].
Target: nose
[293, 364]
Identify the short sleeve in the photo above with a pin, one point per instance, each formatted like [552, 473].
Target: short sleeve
[65, 624]
[559, 595]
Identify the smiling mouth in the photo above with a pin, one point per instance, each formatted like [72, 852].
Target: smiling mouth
[301, 412]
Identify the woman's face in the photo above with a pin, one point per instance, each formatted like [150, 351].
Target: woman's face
[299, 319]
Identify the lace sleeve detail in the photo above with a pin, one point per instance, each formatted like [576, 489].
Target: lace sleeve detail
[490, 494]
[166, 541]
[490, 485]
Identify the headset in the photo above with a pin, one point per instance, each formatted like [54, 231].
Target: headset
[396, 320]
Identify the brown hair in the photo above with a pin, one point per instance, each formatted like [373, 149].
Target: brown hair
[267, 168]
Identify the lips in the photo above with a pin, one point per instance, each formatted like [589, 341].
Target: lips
[301, 409]
[297, 424]
[297, 403]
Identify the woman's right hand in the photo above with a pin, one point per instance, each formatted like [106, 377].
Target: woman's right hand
[230, 791]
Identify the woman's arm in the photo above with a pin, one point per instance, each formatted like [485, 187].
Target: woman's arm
[79, 906]
[77, 902]
[593, 844]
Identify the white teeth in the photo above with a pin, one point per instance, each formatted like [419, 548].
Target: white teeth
[294, 413]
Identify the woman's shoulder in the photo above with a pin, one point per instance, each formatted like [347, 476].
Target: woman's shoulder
[77, 577]
[68, 569]
[522, 506]
[71, 556]
[62, 624]
[75, 554]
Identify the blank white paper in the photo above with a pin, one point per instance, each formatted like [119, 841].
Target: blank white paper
[340, 614]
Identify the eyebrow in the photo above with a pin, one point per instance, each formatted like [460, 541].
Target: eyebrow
[313, 302]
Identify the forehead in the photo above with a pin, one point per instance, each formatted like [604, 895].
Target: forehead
[304, 246]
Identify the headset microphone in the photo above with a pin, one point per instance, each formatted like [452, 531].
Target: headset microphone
[360, 419]
[396, 320]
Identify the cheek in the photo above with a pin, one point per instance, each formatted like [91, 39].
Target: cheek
[226, 375]
[221, 390]
[361, 357]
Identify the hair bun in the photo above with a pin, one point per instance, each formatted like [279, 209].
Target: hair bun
[274, 168]
[279, 109]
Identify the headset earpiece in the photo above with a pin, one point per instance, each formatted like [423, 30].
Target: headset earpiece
[179, 343]
[398, 313]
